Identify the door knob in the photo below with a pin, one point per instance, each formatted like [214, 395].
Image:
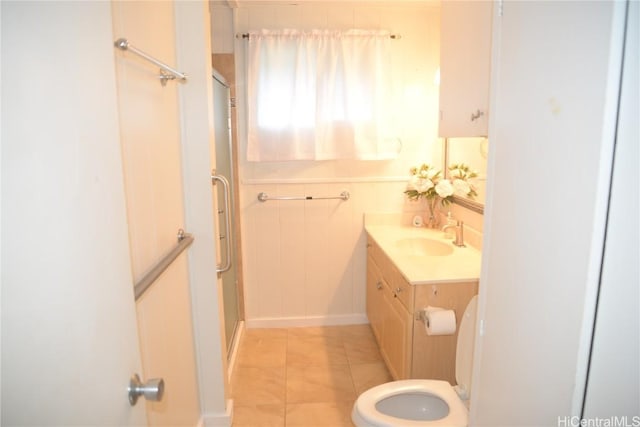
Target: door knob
[153, 389]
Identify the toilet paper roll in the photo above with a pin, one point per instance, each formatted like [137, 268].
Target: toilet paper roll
[439, 321]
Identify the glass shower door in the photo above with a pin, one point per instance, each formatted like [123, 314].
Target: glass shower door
[224, 168]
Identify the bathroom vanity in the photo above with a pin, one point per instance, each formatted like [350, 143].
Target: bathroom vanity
[408, 269]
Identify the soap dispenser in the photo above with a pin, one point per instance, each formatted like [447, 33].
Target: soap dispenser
[450, 232]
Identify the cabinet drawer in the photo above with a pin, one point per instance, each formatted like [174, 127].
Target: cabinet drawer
[402, 289]
[396, 281]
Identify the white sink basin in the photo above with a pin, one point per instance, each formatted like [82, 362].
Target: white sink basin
[421, 246]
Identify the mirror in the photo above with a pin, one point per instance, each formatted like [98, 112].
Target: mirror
[473, 153]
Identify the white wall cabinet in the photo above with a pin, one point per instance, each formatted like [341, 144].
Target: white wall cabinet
[465, 64]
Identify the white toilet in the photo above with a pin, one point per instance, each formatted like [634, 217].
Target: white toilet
[419, 403]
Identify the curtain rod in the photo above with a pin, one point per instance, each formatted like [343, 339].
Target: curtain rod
[247, 36]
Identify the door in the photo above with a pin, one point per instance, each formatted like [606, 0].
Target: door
[224, 167]
[613, 384]
[69, 338]
[396, 330]
[150, 136]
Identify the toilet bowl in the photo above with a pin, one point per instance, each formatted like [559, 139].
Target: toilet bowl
[420, 403]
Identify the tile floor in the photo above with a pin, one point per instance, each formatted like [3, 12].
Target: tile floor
[304, 376]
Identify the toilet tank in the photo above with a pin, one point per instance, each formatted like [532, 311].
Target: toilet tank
[464, 349]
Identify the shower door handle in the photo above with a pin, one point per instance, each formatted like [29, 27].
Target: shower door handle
[221, 268]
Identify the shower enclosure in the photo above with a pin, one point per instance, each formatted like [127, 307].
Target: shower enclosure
[225, 208]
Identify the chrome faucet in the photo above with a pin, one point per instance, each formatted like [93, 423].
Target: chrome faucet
[459, 227]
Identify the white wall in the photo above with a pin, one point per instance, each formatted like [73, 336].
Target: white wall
[193, 54]
[555, 78]
[305, 261]
[69, 340]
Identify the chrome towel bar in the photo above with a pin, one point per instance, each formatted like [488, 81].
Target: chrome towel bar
[263, 197]
[247, 36]
[184, 241]
[123, 44]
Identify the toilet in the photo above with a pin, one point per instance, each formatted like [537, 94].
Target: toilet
[420, 403]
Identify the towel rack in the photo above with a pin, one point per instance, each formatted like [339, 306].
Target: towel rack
[123, 44]
[184, 241]
[263, 197]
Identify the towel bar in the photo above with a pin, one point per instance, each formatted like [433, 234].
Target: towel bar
[263, 197]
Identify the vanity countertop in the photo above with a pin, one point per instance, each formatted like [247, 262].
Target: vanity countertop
[460, 265]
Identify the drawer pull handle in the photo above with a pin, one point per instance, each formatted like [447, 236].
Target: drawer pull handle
[398, 290]
[379, 285]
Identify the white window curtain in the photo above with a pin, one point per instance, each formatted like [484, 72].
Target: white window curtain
[319, 95]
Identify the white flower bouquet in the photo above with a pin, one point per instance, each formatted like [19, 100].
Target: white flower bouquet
[427, 182]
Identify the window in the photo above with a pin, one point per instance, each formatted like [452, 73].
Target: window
[319, 95]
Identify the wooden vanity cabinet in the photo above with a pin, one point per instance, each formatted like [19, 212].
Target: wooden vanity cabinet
[393, 309]
[465, 63]
[435, 356]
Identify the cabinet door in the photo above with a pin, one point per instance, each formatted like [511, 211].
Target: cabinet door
[465, 62]
[375, 298]
[396, 338]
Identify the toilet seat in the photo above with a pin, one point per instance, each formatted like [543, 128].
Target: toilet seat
[422, 402]
[366, 412]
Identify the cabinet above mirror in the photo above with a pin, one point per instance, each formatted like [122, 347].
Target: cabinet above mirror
[465, 63]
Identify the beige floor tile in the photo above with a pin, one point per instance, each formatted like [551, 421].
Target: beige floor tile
[319, 384]
[356, 331]
[311, 376]
[362, 350]
[334, 414]
[264, 333]
[316, 331]
[368, 375]
[263, 352]
[253, 386]
[315, 351]
[258, 416]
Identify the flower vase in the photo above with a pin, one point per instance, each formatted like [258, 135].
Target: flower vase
[432, 220]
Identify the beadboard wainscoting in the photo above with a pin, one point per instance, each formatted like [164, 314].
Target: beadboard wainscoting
[307, 258]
